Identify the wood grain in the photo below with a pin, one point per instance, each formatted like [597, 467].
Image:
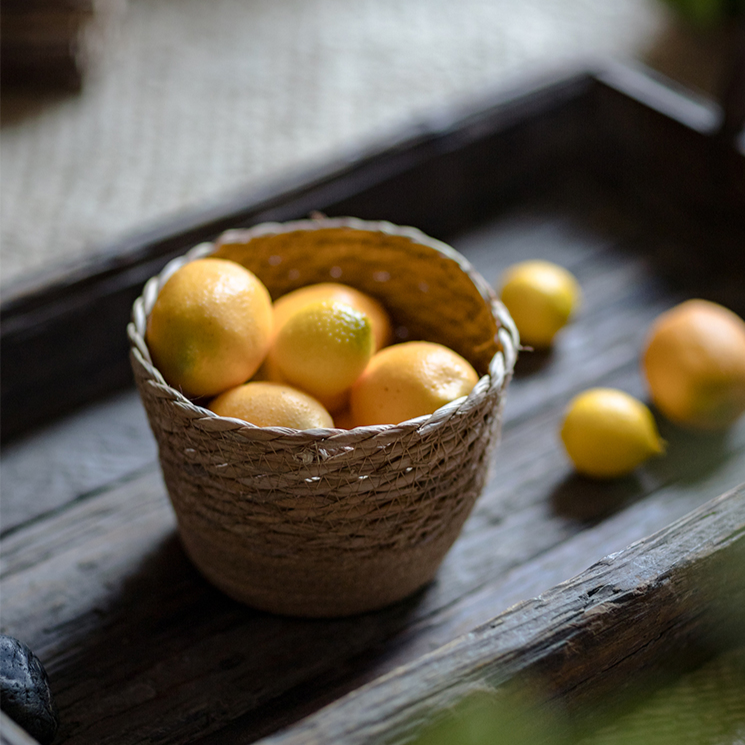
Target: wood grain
[577, 640]
[140, 648]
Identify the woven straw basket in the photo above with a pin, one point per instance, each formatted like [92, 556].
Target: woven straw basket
[332, 522]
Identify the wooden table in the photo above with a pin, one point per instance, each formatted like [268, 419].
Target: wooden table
[608, 173]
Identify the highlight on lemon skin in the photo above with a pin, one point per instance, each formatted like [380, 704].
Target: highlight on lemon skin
[607, 433]
[210, 326]
[408, 380]
[694, 365]
[541, 297]
[323, 348]
[268, 404]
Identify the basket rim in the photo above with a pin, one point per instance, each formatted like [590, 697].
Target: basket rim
[501, 366]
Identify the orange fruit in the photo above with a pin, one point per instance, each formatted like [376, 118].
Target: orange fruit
[288, 304]
[541, 298]
[694, 364]
[210, 327]
[608, 433]
[409, 380]
[272, 405]
[322, 348]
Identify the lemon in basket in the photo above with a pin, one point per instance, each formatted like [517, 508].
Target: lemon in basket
[322, 348]
[694, 363]
[210, 327]
[608, 433]
[409, 380]
[541, 297]
[268, 404]
[288, 304]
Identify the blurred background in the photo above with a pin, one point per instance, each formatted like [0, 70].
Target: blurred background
[119, 114]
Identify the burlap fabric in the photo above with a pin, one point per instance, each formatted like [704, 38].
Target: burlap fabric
[334, 522]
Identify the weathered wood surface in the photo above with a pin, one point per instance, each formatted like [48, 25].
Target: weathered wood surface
[140, 648]
[686, 582]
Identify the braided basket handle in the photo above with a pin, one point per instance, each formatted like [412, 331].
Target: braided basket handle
[733, 97]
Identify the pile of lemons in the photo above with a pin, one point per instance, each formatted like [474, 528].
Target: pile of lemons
[693, 362]
[320, 356]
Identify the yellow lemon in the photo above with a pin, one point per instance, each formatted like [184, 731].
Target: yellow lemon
[322, 348]
[409, 380]
[288, 304]
[210, 327]
[694, 363]
[608, 433]
[541, 298]
[272, 405]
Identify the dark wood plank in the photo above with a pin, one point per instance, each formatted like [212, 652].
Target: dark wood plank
[73, 458]
[580, 640]
[81, 583]
[139, 647]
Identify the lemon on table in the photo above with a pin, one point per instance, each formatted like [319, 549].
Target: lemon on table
[409, 380]
[541, 297]
[322, 348]
[694, 364]
[608, 433]
[288, 304]
[272, 405]
[210, 327]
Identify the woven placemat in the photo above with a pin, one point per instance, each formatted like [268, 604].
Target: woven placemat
[193, 100]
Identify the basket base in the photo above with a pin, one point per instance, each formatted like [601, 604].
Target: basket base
[336, 586]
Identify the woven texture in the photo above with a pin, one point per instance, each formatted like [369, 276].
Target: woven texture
[192, 102]
[333, 522]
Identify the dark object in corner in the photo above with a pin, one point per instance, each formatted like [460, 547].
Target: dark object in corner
[50, 44]
[25, 695]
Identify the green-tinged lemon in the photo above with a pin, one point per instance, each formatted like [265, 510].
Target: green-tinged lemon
[210, 327]
[323, 348]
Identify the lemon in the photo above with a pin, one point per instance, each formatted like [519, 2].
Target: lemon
[409, 380]
[288, 304]
[322, 348]
[608, 433]
[272, 405]
[210, 326]
[694, 364]
[541, 298]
